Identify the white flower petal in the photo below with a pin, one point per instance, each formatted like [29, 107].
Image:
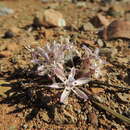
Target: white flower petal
[36, 61]
[72, 74]
[54, 85]
[81, 81]
[64, 95]
[80, 93]
[40, 68]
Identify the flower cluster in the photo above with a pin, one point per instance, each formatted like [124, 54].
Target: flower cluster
[92, 64]
[51, 60]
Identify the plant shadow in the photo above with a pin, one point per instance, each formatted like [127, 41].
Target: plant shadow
[27, 92]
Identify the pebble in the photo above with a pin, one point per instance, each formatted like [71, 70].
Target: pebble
[100, 43]
[8, 34]
[97, 90]
[4, 54]
[93, 118]
[81, 4]
[103, 20]
[109, 52]
[87, 26]
[25, 126]
[53, 18]
[117, 29]
[124, 97]
[5, 11]
[11, 32]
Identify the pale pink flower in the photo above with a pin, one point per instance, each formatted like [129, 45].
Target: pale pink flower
[69, 84]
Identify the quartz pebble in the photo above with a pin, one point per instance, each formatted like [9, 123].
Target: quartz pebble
[53, 18]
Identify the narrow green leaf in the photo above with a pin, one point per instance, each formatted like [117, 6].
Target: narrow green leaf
[121, 117]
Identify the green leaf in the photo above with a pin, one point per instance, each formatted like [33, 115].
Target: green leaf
[121, 117]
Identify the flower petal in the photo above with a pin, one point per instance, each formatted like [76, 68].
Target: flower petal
[60, 74]
[88, 51]
[42, 52]
[54, 85]
[41, 70]
[81, 81]
[64, 95]
[80, 93]
[72, 74]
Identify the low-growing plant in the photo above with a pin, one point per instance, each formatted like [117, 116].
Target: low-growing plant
[53, 60]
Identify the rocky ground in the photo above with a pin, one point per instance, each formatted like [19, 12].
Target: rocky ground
[102, 24]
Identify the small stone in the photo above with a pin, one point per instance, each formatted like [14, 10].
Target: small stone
[93, 118]
[117, 29]
[109, 52]
[100, 42]
[4, 54]
[97, 90]
[100, 99]
[103, 20]
[5, 11]
[81, 4]
[86, 27]
[53, 18]
[25, 126]
[8, 34]
[124, 97]
[123, 60]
